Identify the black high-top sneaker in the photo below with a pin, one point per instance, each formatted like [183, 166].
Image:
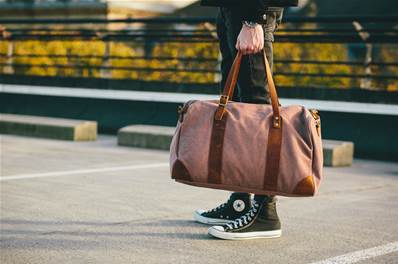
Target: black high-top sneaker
[237, 205]
[261, 221]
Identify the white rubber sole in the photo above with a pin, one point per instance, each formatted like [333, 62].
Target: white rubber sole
[208, 221]
[218, 232]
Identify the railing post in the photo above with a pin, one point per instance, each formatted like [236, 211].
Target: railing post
[211, 28]
[365, 82]
[9, 69]
[106, 72]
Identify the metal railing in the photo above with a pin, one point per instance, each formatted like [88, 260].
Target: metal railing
[369, 33]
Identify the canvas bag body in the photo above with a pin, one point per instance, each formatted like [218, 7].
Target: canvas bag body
[233, 152]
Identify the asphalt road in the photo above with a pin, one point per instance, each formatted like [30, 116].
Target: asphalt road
[95, 202]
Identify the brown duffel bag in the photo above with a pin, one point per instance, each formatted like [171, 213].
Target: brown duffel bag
[244, 147]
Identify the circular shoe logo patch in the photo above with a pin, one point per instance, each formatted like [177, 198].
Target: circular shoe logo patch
[239, 205]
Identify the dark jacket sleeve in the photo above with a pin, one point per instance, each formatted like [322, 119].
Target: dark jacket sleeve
[254, 9]
[251, 10]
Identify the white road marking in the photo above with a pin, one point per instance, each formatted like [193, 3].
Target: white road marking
[322, 105]
[361, 255]
[86, 171]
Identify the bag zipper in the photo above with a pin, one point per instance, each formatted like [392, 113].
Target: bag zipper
[315, 114]
[182, 109]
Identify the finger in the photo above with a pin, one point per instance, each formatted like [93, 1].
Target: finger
[237, 45]
[243, 48]
[261, 46]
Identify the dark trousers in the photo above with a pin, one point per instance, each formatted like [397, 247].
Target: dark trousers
[252, 83]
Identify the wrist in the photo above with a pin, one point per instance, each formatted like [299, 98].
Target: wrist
[249, 24]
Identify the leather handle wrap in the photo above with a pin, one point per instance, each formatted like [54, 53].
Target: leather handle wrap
[230, 85]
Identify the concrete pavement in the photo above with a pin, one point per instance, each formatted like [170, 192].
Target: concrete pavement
[96, 202]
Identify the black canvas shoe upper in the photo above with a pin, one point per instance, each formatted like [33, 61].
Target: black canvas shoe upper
[237, 205]
[261, 217]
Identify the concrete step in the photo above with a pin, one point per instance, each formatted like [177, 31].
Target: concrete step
[336, 153]
[145, 136]
[48, 127]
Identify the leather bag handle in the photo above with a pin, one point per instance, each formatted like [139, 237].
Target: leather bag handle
[230, 85]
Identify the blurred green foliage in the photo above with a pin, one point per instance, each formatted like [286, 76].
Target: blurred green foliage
[291, 51]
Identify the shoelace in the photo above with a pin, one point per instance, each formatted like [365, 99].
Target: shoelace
[244, 219]
[217, 208]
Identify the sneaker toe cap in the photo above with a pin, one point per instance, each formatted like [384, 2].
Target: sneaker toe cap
[199, 211]
[216, 228]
